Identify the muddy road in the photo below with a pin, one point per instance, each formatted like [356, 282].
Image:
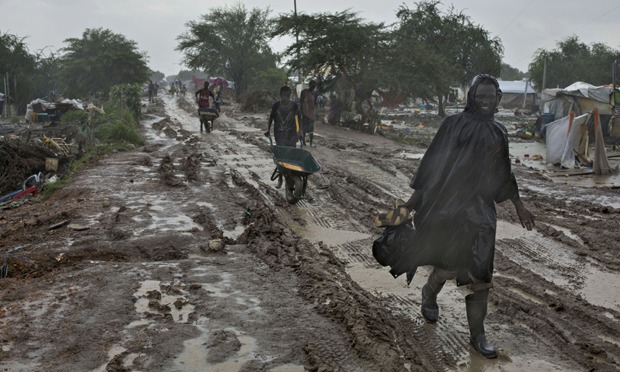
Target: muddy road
[182, 256]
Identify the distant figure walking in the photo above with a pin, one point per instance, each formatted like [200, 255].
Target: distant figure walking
[308, 111]
[218, 99]
[151, 92]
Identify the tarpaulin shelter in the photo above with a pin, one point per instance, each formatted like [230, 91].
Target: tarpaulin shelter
[42, 110]
[567, 142]
[218, 81]
[579, 98]
[516, 94]
[567, 138]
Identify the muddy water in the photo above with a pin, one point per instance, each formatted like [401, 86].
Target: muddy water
[330, 221]
[451, 333]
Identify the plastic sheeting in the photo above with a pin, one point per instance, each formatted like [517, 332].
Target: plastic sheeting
[564, 141]
[40, 105]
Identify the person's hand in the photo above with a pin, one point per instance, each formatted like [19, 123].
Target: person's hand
[267, 134]
[526, 217]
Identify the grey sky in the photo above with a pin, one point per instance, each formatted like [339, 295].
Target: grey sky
[523, 26]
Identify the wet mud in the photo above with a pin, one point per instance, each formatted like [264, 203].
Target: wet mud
[183, 256]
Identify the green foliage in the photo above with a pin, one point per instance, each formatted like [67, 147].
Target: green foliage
[510, 73]
[157, 76]
[270, 80]
[92, 65]
[256, 100]
[126, 96]
[231, 42]
[341, 49]
[118, 125]
[51, 188]
[20, 65]
[432, 50]
[573, 61]
[74, 117]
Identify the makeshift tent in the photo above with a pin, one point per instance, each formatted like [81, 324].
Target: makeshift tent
[579, 98]
[41, 106]
[516, 94]
[218, 81]
[566, 139]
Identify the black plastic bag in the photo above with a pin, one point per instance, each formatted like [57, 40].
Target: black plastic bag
[389, 246]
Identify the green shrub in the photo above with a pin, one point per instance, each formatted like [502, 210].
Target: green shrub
[127, 96]
[74, 117]
[118, 131]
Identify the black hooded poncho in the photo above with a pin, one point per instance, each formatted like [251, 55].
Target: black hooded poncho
[465, 171]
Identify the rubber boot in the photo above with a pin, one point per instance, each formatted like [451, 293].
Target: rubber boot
[476, 305]
[311, 135]
[429, 308]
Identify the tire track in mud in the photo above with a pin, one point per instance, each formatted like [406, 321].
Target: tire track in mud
[557, 316]
[538, 254]
[329, 211]
[345, 202]
[327, 294]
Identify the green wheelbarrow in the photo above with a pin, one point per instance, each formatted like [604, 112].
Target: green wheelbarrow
[295, 165]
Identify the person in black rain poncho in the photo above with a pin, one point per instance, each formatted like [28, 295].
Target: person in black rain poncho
[465, 171]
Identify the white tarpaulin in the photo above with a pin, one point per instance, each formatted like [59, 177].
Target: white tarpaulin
[565, 141]
[578, 97]
[41, 105]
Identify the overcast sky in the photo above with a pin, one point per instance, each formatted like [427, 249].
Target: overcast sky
[523, 26]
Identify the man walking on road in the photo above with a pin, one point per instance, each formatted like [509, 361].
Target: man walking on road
[308, 111]
[465, 171]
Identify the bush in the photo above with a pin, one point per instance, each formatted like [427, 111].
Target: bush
[74, 117]
[258, 100]
[118, 131]
[127, 96]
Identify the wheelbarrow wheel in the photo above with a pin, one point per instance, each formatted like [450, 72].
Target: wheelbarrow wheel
[294, 189]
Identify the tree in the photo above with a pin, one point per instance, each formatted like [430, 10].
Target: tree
[231, 42]
[19, 65]
[573, 61]
[99, 60]
[444, 50]
[340, 49]
[269, 80]
[157, 76]
[511, 73]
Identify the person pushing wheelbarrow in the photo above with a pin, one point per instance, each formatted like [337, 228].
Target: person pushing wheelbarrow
[285, 118]
[293, 164]
[205, 113]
